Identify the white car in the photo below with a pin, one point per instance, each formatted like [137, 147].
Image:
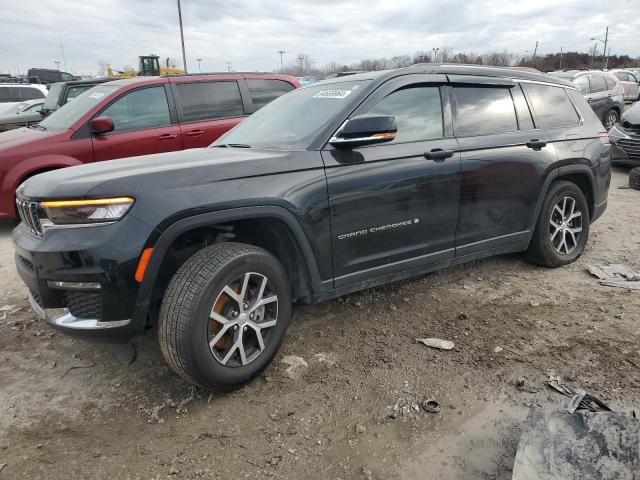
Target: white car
[13, 93]
[630, 84]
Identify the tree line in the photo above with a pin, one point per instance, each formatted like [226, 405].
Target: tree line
[304, 65]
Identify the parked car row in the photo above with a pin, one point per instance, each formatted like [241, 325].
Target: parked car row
[12, 94]
[343, 185]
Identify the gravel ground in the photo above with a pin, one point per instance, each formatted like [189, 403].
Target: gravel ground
[72, 409]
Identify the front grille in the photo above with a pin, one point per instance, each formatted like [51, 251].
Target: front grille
[631, 147]
[84, 304]
[29, 214]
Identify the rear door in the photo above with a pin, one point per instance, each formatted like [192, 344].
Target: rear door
[599, 98]
[503, 159]
[144, 124]
[207, 109]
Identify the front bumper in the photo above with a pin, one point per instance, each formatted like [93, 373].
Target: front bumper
[625, 146]
[81, 280]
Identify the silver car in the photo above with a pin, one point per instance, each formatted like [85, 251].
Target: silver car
[21, 115]
[630, 84]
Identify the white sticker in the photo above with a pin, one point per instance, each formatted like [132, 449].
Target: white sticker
[332, 94]
[96, 95]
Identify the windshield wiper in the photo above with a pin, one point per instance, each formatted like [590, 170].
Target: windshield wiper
[36, 126]
[233, 145]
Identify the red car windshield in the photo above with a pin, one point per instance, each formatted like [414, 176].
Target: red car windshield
[67, 115]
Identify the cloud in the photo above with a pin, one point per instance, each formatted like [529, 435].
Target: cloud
[249, 33]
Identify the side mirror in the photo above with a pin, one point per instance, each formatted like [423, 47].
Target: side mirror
[365, 130]
[101, 125]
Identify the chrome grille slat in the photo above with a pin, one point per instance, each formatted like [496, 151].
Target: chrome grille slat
[28, 212]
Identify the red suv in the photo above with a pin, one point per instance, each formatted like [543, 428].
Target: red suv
[135, 116]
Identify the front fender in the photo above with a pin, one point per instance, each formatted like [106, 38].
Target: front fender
[27, 167]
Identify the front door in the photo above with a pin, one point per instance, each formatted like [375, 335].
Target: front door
[392, 208]
[142, 126]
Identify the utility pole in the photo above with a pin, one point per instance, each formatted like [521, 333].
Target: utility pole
[533, 58]
[184, 56]
[434, 57]
[301, 59]
[606, 38]
[595, 51]
[64, 61]
[199, 69]
[228, 66]
[560, 58]
[606, 61]
[281, 52]
[57, 62]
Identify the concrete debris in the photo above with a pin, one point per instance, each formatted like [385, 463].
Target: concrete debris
[436, 343]
[296, 367]
[498, 349]
[617, 275]
[330, 358]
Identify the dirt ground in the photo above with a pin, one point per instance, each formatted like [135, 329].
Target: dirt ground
[71, 409]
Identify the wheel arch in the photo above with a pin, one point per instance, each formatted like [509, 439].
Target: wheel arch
[580, 175]
[272, 228]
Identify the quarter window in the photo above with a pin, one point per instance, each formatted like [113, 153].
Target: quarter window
[263, 91]
[598, 84]
[27, 93]
[484, 111]
[210, 100]
[551, 105]
[140, 109]
[418, 113]
[75, 91]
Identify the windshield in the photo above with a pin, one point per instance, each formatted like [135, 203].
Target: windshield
[70, 113]
[294, 120]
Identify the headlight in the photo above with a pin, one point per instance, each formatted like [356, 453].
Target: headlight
[73, 212]
[616, 133]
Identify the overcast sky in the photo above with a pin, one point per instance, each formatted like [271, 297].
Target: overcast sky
[249, 33]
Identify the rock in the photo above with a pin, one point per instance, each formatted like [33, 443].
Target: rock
[436, 343]
[393, 308]
[360, 429]
[620, 316]
[174, 470]
[462, 316]
[498, 349]
[533, 303]
[296, 367]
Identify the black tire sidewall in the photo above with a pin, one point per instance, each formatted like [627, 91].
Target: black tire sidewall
[560, 190]
[210, 371]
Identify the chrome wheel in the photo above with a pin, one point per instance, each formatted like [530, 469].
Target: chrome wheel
[565, 226]
[612, 119]
[241, 318]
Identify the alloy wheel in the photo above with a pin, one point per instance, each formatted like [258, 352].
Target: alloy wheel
[612, 119]
[565, 226]
[241, 319]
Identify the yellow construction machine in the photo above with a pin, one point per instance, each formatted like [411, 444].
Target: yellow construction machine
[149, 66]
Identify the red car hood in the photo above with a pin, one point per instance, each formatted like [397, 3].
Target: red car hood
[22, 136]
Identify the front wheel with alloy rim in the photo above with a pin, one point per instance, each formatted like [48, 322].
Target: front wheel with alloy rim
[224, 315]
[562, 228]
[611, 118]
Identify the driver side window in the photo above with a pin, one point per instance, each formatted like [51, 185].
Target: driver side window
[418, 113]
[140, 109]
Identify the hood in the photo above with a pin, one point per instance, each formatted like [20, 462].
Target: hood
[159, 172]
[22, 136]
[632, 115]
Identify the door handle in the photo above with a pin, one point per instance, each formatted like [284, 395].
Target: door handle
[194, 133]
[167, 136]
[438, 154]
[536, 144]
[589, 99]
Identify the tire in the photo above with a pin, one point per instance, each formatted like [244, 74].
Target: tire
[611, 118]
[547, 249]
[634, 178]
[196, 310]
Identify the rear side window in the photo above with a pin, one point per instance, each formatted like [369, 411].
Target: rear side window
[551, 106]
[27, 93]
[582, 84]
[611, 84]
[484, 111]
[210, 100]
[139, 109]
[73, 92]
[598, 84]
[621, 75]
[263, 91]
[418, 113]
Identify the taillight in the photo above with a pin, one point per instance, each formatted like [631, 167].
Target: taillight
[604, 137]
[622, 90]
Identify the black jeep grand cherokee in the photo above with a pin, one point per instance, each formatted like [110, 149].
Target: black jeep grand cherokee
[330, 189]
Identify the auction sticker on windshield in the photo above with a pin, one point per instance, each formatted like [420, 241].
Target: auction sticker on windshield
[96, 95]
[332, 94]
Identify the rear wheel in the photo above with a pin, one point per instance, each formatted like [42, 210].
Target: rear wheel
[611, 118]
[562, 229]
[224, 315]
